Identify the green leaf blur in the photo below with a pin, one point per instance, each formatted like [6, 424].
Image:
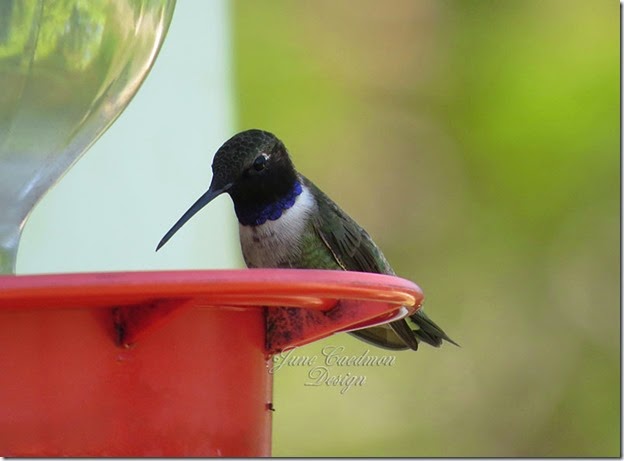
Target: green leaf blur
[478, 143]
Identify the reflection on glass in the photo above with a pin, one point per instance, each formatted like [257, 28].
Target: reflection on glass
[68, 68]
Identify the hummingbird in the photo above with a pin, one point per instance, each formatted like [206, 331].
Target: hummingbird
[285, 221]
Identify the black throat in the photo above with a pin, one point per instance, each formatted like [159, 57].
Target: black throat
[266, 198]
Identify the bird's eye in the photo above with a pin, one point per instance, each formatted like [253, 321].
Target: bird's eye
[260, 162]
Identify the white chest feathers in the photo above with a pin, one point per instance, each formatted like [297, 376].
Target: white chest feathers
[275, 243]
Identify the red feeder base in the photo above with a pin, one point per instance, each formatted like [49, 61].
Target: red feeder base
[164, 363]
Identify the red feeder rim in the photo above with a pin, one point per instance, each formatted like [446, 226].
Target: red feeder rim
[147, 363]
[147, 299]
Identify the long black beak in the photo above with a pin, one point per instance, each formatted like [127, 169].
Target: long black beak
[204, 200]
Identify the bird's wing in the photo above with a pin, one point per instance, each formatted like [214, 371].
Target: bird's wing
[351, 246]
[354, 250]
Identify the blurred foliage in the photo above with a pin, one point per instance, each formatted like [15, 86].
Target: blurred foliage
[478, 142]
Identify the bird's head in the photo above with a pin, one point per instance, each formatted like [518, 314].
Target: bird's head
[252, 166]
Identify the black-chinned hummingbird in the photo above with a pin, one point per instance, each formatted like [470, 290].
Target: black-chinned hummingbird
[285, 221]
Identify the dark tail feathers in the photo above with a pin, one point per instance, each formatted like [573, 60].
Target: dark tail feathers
[426, 330]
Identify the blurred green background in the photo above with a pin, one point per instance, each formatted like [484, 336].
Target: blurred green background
[478, 143]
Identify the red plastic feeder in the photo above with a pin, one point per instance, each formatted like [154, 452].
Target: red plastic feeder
[165, 363]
